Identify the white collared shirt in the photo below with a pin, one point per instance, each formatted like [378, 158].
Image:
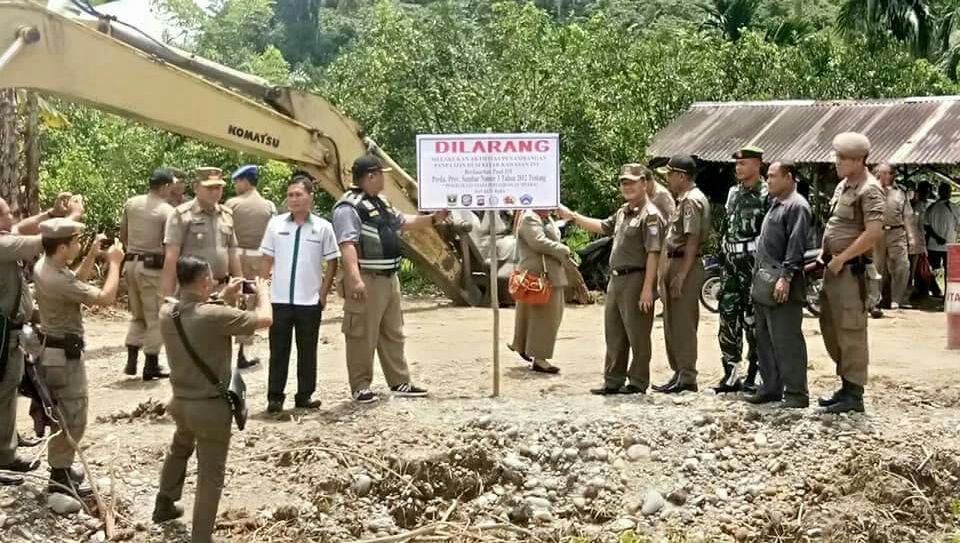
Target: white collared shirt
[299, 252]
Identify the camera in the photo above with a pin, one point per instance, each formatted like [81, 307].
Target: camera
[248, 287]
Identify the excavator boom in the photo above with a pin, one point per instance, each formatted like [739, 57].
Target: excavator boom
[53, 54]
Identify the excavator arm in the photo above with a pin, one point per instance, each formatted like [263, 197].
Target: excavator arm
[103, 65]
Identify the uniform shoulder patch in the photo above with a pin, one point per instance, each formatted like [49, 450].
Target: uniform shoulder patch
[183, 208]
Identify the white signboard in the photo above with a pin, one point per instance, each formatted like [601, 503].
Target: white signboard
[488, 171]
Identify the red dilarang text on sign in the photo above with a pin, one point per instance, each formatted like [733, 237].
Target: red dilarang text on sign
[492, 146]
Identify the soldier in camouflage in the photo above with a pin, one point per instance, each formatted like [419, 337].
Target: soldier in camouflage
[747, 203]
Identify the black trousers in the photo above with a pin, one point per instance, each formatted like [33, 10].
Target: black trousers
[782, 349]
[305, 320]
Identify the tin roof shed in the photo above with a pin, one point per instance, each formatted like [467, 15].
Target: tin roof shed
[907, 131]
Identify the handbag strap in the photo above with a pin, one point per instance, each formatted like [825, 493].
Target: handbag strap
[204, 368]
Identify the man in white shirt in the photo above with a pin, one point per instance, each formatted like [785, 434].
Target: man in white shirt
[942, 222]
[295, 247]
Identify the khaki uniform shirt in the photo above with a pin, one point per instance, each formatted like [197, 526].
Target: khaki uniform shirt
[59, 295]
[691, 216]
[202, 233]
[13, 250]
[142, 223]
[636, 232]
[896, 209]
[209, 328]
[851, 209]
[663, 200]
[251, 213]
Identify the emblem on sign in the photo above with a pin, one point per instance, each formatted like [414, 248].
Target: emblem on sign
[452, 199]
[466, 199]
[481, 200]
[526, 199]
[508, 200]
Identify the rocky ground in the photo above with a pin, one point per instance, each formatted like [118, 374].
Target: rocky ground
[546, 461]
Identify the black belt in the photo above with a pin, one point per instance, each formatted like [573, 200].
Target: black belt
[59, 342]
[885, 227]
[381, 273]
[625, 271]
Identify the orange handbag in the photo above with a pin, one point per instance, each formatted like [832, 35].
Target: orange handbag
[530, 288]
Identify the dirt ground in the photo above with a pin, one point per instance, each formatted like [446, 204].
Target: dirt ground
[547, 460]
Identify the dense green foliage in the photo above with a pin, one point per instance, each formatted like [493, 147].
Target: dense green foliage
[605, 74]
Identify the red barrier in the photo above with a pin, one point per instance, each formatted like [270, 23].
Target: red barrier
[951, 303]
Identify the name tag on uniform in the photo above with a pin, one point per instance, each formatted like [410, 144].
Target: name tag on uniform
[283, 233]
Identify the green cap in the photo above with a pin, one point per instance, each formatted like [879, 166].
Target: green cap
[750, 151]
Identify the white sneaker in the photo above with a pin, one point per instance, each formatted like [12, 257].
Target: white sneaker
[894, 306]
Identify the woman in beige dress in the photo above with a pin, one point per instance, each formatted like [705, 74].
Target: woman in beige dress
[535, 331]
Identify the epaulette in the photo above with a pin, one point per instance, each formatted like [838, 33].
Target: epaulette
[184, 207]
[225, 209]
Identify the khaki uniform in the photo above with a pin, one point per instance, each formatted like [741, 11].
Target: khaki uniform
[13, 250]
[536, 326]
[202, 416]
[681, 316]
[891, 253]
[142, 227]
[251, 213]
[636, 233]
[663, 201]
[843, 318]
[376, 324]
[59, 296]
[208, 234]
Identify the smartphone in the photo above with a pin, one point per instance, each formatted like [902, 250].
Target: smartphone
[248, 287]
[106, 243]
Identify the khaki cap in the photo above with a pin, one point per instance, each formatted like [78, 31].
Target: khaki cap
[634, 172]
[853, 144]
[60, 228]
[209, 176]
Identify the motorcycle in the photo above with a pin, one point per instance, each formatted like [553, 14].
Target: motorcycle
[713, 280]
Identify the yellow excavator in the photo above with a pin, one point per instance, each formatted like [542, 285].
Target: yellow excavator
[115, 67]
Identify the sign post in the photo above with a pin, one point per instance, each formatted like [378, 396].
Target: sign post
[489, 173]
[951, 296]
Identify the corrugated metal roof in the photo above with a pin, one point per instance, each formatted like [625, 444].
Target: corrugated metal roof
[923, 130]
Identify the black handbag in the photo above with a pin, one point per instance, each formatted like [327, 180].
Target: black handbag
[235, 394]
[763, 284]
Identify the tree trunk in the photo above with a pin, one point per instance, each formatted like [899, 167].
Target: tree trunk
[9, 180]
[31, 151]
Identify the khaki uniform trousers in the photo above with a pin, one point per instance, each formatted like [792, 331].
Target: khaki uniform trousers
[250, 267]
[375, 325]
[536, 326]
[626, 330]
[204, 426]
[67, 381]
[843, 323]
[681, 318]
[893, 262]
[143, 289]
[9, 382]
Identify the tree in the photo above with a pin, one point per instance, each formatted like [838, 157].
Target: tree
[908, 21]
[9, 156]
[730, 17]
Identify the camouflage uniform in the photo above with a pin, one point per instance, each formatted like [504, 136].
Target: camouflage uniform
[745, 208]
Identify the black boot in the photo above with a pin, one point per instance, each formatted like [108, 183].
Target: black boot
[673, 381]
[152, 370]
[61, 480]
[750, 382]
[729, 382]
[243, 362]
[132, 354]
[836, 397]
[166, 509]
[851, 401]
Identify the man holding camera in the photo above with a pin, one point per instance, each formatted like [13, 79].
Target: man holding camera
[202, 414]
[142, 224]
[19, 244]
[60, 293]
